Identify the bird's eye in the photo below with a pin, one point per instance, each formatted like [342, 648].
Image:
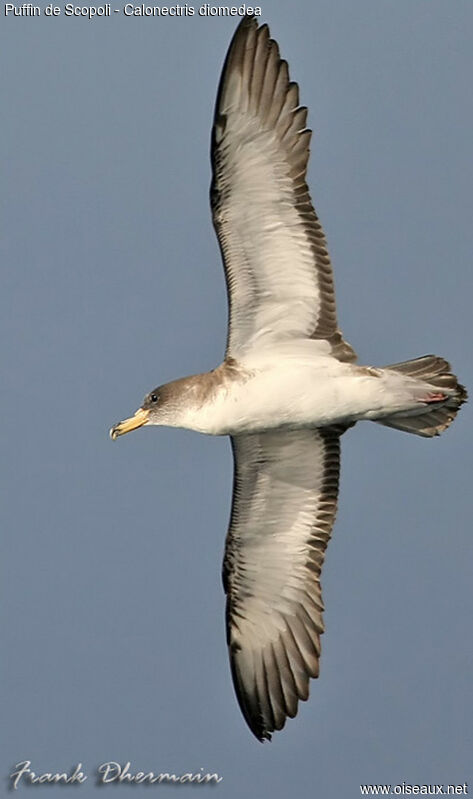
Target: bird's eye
[154, 397]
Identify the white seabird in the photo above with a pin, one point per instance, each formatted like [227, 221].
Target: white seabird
[288, 387]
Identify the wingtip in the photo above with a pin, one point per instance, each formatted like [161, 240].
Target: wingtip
[261, 734]
[246, 21]
[265, 737]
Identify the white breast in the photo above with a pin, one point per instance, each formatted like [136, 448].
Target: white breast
[288, 393]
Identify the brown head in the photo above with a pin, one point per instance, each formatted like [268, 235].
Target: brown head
[166, 405]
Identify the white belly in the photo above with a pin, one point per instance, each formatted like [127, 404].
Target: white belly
[292, 394]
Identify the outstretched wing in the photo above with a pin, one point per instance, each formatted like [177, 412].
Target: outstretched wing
[278, 271]
[284, 503]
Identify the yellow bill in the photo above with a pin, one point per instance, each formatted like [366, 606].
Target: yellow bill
[138, 420]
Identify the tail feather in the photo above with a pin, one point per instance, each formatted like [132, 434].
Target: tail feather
[434, 371]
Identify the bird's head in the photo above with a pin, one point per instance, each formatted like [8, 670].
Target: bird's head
[168, 405]
[151, 412]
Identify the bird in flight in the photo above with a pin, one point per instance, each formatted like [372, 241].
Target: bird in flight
[289, 385]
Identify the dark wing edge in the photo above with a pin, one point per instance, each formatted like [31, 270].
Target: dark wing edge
[274, 643]
[275, 99]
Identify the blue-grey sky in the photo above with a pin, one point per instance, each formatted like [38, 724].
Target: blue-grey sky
[112, 606]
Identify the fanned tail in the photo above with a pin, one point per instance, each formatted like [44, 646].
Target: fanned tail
[436, 372]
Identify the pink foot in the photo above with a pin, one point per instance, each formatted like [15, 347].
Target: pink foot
[434, 397]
